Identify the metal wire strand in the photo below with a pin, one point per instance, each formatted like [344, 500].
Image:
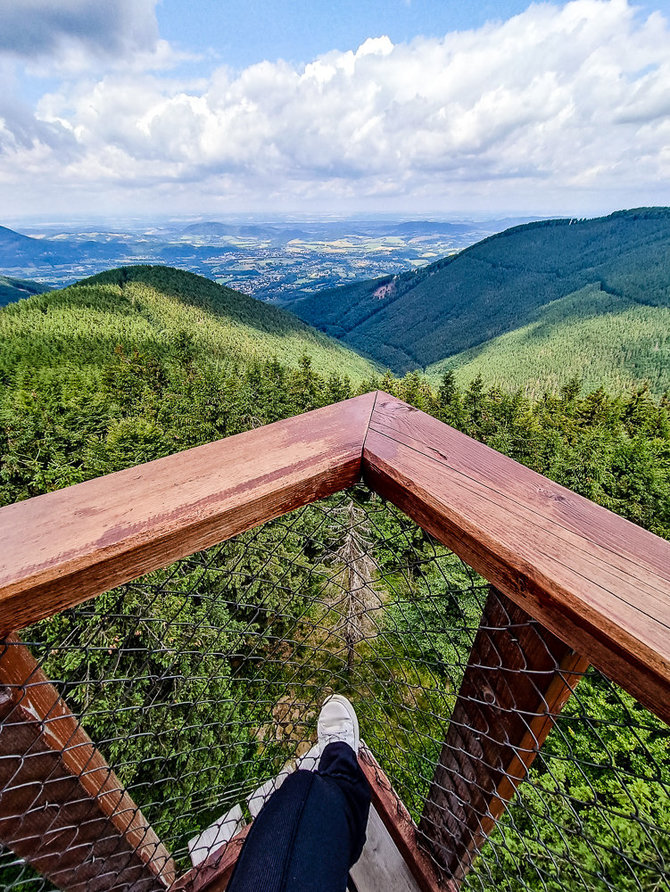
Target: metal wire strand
[200, 685]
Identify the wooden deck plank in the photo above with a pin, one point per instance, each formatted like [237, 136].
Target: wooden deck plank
[62, 548]
[401, 827]
[575, 569]
[62, 808]
[381, 867]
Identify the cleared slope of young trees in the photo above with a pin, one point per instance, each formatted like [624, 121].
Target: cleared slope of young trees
[500, 285]
[123, 370]
[161, 312]
[603, 339]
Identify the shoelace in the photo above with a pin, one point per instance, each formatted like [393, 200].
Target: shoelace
[335, 737]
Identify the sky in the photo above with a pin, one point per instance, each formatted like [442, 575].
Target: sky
[436, 108]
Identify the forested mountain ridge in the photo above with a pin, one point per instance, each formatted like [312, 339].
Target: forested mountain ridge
[158, 311]
[15, 289]
[496, 286]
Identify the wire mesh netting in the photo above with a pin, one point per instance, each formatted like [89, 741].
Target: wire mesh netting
[201, 684]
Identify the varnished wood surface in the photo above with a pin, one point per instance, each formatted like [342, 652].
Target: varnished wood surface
[600, 583]
[64, 547]
[62, 808]
[214, 874]
[401, 827]
[518, 679]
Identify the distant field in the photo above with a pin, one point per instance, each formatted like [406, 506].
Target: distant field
[288, 257]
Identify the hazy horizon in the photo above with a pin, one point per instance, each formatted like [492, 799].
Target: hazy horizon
[409, 108]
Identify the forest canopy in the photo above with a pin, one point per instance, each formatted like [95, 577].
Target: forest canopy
[121, 371]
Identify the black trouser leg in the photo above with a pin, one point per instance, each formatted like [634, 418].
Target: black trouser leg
[310, 832]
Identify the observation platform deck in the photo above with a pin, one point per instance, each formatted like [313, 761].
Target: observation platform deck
[169, 629]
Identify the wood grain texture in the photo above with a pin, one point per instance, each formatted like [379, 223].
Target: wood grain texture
[62, 808]
[401, 827]
[381, 867]
[64, 547]
[598, 582]
[214, 874]
[518, 679]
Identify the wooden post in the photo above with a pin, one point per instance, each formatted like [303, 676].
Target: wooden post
[62, 808]
[518, 678]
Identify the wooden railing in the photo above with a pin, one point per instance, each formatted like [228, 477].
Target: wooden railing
[597, 586]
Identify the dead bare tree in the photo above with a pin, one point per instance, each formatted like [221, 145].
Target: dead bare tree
[355, 580]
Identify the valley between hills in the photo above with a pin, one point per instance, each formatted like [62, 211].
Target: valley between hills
[509, 307]
[548, 342]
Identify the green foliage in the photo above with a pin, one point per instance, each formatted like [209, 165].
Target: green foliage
[594, 813]
[118, 372]
[528, 281]
[164, 314]
[608, 341]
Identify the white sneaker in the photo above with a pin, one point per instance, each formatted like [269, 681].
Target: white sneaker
[338, 723]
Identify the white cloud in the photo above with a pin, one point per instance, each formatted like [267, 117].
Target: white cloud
[39, 29]
[555, 100]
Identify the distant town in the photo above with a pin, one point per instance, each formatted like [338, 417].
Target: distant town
[271, 261]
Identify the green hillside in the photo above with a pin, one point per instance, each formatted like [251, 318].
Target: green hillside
[160, 311]
[500, 285]
[139, 363]
[603, 339]
[15, 289]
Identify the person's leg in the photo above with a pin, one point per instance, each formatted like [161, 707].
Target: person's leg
[339, 765]
[310, 831]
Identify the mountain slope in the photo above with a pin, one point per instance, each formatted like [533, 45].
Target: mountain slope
[15, 289]
[604, 339]
[159, 310]
[496, 286]
[17, 250]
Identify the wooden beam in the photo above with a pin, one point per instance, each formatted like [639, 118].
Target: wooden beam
[401, 827]
[62, 548]
[598, 582]
[517, 681]
[62, 807]
[214, 874]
